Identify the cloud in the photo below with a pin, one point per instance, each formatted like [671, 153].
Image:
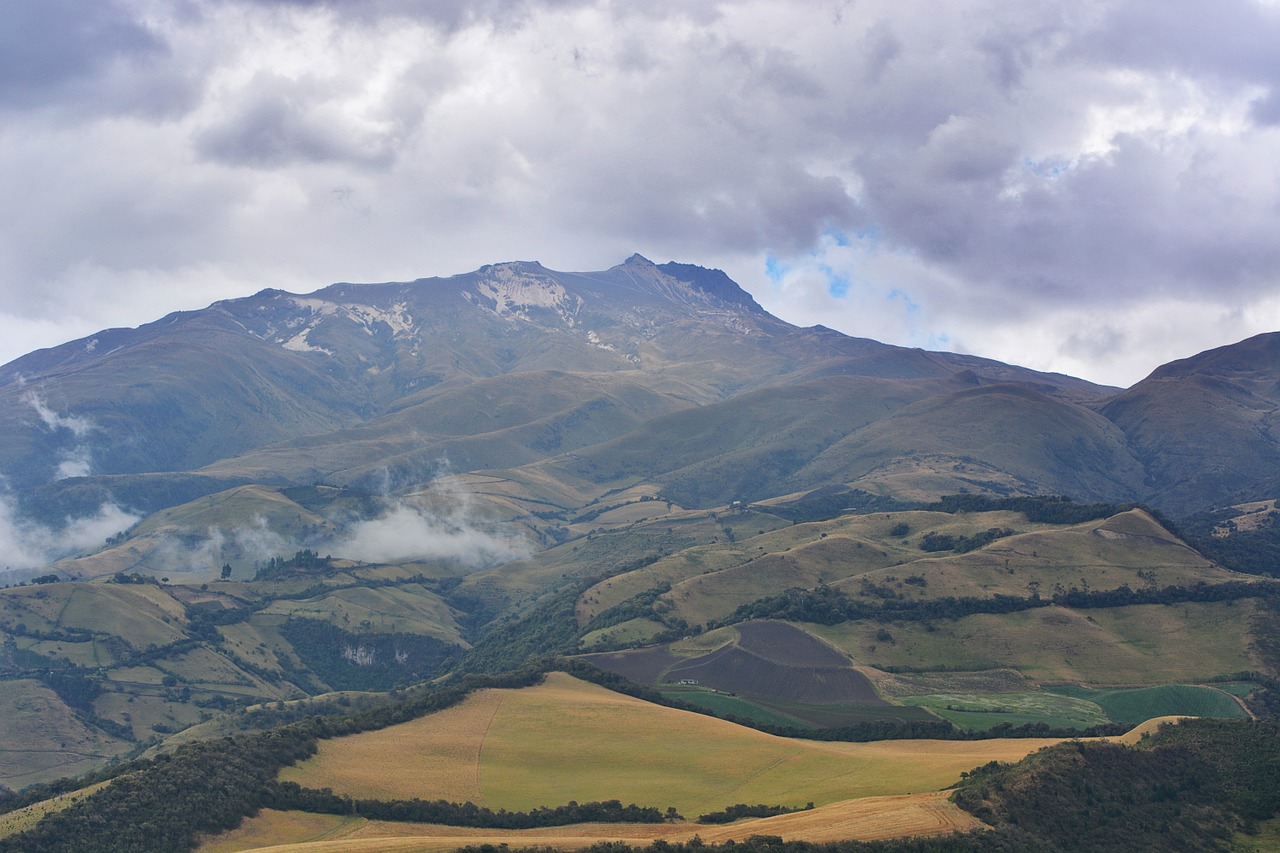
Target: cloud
[76, 460]
[1014, 161]
[26, 545]
[408, 532]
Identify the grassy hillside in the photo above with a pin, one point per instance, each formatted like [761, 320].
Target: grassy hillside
[100, 669]
[880, 557]
[563, 741]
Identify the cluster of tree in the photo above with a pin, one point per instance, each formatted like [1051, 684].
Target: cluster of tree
[367, 661]
[304, 560]
[290, 796]
[637, 607]
[933, 541]
[210, 786]
[1191, 788]
[741, 810]
[1057, 509]
[165, 803]
[828, 606]
[133, 578]
[1003, 840]
[549, 628]
[1255, 551]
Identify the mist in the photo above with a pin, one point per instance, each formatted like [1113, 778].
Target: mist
[26, 545]
[74, 461]
[409, 532]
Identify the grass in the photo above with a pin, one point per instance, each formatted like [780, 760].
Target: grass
[633, 630]
[710, 580]
[1145, 645]
[1135, 706]
[867, 819]
[58, 745]
[982, 711]
[411, 609]
[568, 740]
[799, 714]
[25, 818]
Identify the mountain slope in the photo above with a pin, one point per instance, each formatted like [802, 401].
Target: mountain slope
[1207, 428]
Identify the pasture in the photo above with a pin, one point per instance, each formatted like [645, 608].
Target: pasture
[567, 740]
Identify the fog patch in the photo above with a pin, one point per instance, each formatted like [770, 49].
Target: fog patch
[410, 532]
[26, 544]
[198, 551]
[75, 461]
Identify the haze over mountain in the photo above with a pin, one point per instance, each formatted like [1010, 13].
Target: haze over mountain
[566, 386]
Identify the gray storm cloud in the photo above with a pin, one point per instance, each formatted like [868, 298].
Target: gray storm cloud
[1000, 177]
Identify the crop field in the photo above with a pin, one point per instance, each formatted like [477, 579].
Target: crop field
[768, 660]
[866, 819]
[982, 711]
[568, 740]
[643, 666]
[799, 714]
[1134, 706]
[735, 669]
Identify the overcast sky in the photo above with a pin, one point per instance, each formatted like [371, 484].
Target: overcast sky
[1086, 187]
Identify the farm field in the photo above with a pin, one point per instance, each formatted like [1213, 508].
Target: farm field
[983, 711]
[864, 819]
[798, 714]
[561, 741]
[1134, 706]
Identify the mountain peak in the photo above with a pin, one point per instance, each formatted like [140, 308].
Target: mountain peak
[711, 281]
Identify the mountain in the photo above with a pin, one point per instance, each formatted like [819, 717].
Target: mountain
[1207, 428]
[351, 507]
[532, 393]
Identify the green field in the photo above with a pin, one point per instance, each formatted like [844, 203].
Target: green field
[982, 711]
[1168, 700]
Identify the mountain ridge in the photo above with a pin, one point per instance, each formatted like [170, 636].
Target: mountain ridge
[669, 377]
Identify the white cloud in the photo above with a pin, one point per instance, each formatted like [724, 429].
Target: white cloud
[409, 532]
[1014, 162]
[25, 544]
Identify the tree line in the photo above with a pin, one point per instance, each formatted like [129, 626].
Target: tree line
[826, 605]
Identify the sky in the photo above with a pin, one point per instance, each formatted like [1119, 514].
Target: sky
[1085, 187]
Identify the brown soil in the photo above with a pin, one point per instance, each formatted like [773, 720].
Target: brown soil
[643, 666]
[734, 669]
[788, 645]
